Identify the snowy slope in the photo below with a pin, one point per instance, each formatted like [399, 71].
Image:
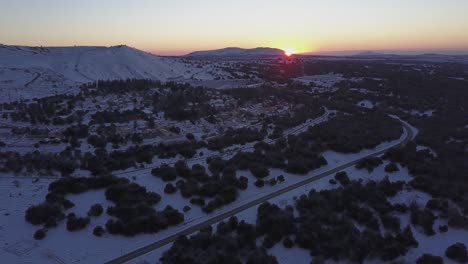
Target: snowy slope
[238, 52]
[83, 64]
[37, 71]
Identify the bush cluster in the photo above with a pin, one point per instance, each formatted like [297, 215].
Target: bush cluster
[133, 209]
[231, 137]
[328, 216]
[233, 242]
[369, 163]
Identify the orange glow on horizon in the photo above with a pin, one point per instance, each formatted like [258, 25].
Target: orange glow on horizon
[289, 51]
[164, 27]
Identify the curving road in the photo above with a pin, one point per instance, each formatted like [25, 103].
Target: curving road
[146, 249]
[38, 74]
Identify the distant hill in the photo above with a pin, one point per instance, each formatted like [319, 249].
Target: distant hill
[84, 64]
[427, 57]
[81, 64]
[401, 56]
[369, 54]
[237, 52]
[36, 71]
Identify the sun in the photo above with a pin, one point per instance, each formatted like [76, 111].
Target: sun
[289, 51]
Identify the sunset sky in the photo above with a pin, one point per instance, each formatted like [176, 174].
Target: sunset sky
[173, 27]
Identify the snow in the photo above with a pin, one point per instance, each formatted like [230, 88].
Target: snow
[36, 72]
[323, 184]
[366, 104]
[409, 196]
[84, 201]
[88, 248]
[153, 256]
[324, 80]
[252, 192]
[16, 196]
[437, 244]
[424, 148]
[361, 90]
[434, 244]
[419, 113]
[289, 255]
[19, 247]
[297, 255]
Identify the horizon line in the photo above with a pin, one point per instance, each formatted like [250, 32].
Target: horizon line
[169, 53]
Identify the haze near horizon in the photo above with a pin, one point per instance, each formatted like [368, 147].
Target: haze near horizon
[180, 26]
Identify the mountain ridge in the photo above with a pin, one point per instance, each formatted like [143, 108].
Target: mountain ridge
[237, 52]
[80, 64]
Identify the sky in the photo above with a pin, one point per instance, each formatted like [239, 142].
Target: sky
[175, 27]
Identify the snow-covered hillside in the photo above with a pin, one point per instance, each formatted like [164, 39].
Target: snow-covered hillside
[231, 52]
[36, 71]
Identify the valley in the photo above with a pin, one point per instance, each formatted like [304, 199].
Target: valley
[115, 155]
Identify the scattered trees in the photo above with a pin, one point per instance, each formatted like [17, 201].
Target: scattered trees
[342, 178]
[64, 162]
[231, 137]
[40, 234]
[369, 163]
[133, 206]
[288, 242]
[233, 242]
[259, 170]
[353, 133]
[259, 183]
[95, 210]
[424, 218]
[170, 188]
[75, 223]
[443, 228]
[43, 213]
[457, 252]
[429, 259]
[165, 172]
[391, 167]
[327, 216]
[98, 231]
[274, 223]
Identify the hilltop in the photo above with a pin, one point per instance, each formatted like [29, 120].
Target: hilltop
[236, 52]
[39, 70]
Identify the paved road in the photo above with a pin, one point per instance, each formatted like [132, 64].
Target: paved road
[146, 249]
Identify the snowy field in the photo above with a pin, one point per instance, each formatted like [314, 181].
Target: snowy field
[324, 80]
[18, 246]
[18, 193]
[434, 244]
[28, 72]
